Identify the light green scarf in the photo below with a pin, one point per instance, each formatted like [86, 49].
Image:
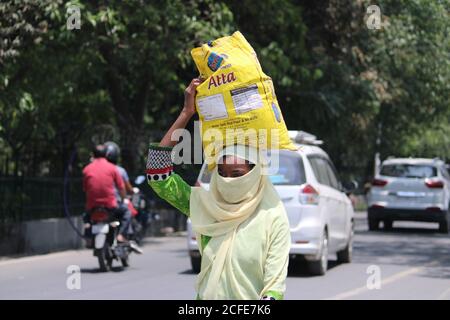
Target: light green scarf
[219, 211]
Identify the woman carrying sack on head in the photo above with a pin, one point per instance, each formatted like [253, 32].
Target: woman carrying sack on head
[240, 222]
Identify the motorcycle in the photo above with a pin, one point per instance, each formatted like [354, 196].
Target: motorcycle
[146, 218]
[136, 231]
[104, 228]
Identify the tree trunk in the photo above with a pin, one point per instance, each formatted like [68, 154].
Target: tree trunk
[16, 155]
[130, 142]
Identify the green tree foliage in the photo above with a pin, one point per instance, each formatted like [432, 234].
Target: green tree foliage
[126, 67]
[122, 75]
[410, 64]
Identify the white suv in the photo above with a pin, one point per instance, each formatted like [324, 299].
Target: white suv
[410, 189]
[319, 211]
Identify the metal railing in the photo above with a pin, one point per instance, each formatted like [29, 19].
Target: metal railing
[27, 198]
[30, 198]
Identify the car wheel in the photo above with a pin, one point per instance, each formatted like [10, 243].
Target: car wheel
[295, 265]
[387, 224]
[196, 263]
[319, 267]
[373, 224]
[345, 256]
[443, 226]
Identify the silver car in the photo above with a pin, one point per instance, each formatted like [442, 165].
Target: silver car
[412, 190]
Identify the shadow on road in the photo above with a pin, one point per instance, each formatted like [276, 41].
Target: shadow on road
[405, 246]
[299, 268]
[152, 241]
[97, 270]
[405, 230]
[189, 272]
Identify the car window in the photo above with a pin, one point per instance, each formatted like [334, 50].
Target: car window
[319, 166]
[332, 176]
[445, 173]
[408, 170]
[288, 170]
[315, 168]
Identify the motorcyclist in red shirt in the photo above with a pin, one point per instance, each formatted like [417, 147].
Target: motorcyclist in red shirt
[125, 206]
[100, 179]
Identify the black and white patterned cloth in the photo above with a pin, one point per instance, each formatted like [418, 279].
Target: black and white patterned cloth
[268, 298]
[159, 163]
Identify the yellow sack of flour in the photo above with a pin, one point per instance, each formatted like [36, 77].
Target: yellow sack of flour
[236, 102]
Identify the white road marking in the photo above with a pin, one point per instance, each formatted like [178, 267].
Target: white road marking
[443, 295]
[388, 280]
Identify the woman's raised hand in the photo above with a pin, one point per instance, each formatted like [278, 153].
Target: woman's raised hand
[189, 96]
[185, 115]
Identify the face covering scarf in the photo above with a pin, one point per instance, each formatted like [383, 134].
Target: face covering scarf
[219, 211]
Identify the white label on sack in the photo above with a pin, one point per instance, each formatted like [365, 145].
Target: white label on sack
[246, 99]
[212, 107]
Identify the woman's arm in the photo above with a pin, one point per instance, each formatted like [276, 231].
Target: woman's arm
[164, 181]
[276, 264]
[160, 176]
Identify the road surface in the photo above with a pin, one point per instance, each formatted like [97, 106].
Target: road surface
[411, 262]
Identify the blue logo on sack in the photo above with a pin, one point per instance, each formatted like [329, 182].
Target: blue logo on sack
[276, 112]
[214, 61]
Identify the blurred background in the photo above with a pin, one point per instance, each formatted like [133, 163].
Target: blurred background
[121, 76]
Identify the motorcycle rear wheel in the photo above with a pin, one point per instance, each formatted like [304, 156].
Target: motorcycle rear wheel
[125, 262]
[104, 258]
